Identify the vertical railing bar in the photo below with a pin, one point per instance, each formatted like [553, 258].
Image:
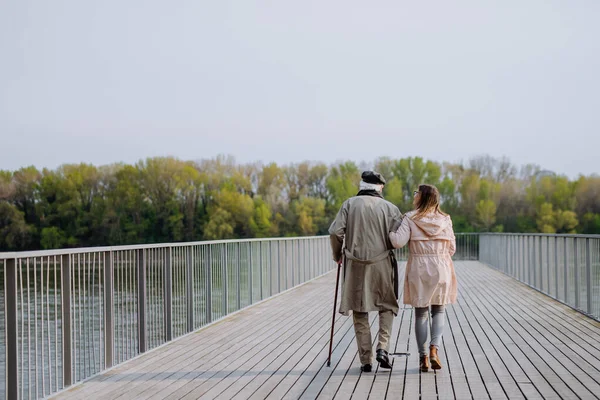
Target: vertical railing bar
[577, 278]
[82, 328]
[541, 285]
[22, 333]
[153, 295]
[238, 278]
[250, 273]
[100, 317]
[566, 272]
[135, 284]
[208, 267]
[66, 320]
[91, 258]
[588, 272]
[126, 305]
[35, 330]
[260, 270]
[270, 268]
[533, 264]
[168, 287]
[28, 330]
[176, 290]
[96, 368]
[141, 301]
[42, 338]
[131, 269]
[48, 324]
[89, 316]
[190, 295]
[279, 266]
[109, 327]
[11, 343]
[555, 241]
[548, 264]
[127, 291]
[88, 345]
[160, 295]
[120, 308]
[285, 266]
[225, 284]
[56, 348]
[149, 302]
[85, 315]
[117, 305]
[155, 312]
[75, 293]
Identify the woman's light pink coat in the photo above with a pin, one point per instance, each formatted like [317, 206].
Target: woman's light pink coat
[430, 278]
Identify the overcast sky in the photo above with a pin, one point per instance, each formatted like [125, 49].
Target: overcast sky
[120, 80]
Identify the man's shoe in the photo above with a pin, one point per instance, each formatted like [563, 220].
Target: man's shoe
[433, 357]
[366, 368]
[383, 359]
[423, 363]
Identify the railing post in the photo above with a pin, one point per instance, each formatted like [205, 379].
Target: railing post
[238, 278]
[566, 272]
[250, 273]
[548, 263]
[521, 258]
[168, 291]
[541, 286]
[260, 269]
[533, 267]
[66, 320]
[514, 256]
[577, 280]
[11, 328]
[270, 268]
[532, 261]
[556, 266]
[301, 279]
[279, 266]
[286, 265]
[588, 273]
[208, 266]
[225, 281]
[109, 326]
[189, 278]
[141, 304]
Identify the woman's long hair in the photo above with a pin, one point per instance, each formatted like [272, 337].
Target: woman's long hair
[429, 201]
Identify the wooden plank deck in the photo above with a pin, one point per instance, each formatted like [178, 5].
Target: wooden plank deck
[503, 340]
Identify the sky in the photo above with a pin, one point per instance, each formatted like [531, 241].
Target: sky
[319, 80]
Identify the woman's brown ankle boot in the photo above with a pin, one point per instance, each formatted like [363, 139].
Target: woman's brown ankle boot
[424, 363]
[433, 356]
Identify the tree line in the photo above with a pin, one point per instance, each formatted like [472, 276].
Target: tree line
[165, 199]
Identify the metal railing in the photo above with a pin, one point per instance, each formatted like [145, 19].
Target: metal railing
[564, 267]
[122, 301]
[70, 314]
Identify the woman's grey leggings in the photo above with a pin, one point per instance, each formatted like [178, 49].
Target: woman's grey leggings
[422, 325]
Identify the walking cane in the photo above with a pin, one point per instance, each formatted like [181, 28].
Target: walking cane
[337, 281]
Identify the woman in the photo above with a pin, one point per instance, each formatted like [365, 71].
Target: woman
[430, 279]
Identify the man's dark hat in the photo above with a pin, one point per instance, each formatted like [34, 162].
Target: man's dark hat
[373, 177]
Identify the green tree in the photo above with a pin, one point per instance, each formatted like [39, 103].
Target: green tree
[546, 221]
[486, 214]
[260, 224]
[342, 183]
[15, 234]
[53, 238]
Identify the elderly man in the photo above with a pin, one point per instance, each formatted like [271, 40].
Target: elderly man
[359, 234]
